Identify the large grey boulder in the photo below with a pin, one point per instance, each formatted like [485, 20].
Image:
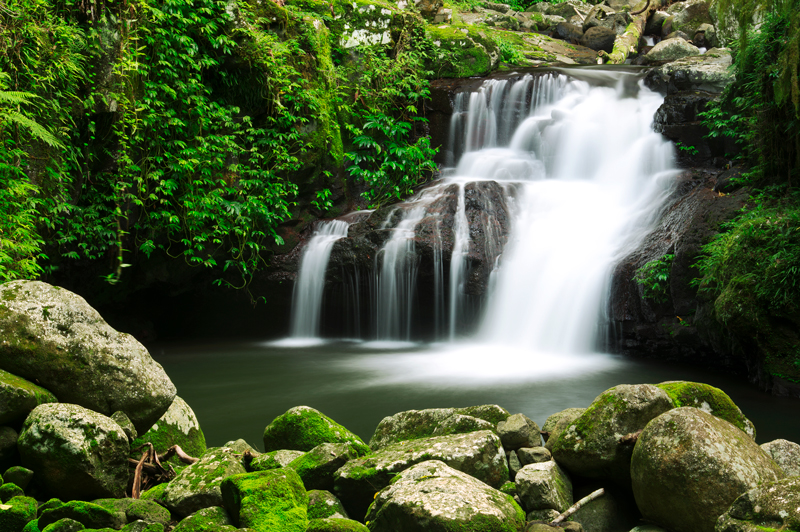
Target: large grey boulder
[544, 486]
[478, 454]
[302, 428]
[178, 426]
[316, 467]
[54, 337]
[556, 423]
[708, 399]
[592, 446]
[688, 16]
[786, 454]
[19, 396]
[414, 424]
[75, 453]
[432, 496]
[198, 485]
[519, 431]
[709, 72]
[670, 50]
[689, 466]
[771, 506]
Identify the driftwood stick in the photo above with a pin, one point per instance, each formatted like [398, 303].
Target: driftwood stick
[176, 450]
[575, 507]
[150, 469]
[630, 439]
[136, 490]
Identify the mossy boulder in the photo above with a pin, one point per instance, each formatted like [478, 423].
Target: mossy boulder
[75, 452]
[463, 51]
[136, 509]
[53, 336]
[786, 454]
[433, 496]
[267, 501]
[415, 424]
[556, 423]
[21, 476]
[670, 50]
[688, 16]
[335, 525]
[64, 525]
[316, 467]
[155, 494]
[770, 507]
[178, 426]
[708, 399]
[213, 518]
[198, 485]
[16, 513]
[689, 466]
[519, 431]
[479, 454]
[544, 486]
[591, 445]
[90, 515]
[324, 505]
[19, 396]
[302, 428]
[9, 490]
[274, 460]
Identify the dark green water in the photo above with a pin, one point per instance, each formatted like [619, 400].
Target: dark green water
[236, 389]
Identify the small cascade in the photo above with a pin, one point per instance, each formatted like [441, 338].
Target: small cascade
[307, 295]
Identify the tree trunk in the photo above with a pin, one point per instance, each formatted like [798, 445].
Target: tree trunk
[628, 42]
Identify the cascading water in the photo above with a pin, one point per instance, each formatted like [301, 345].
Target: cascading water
[308, 290]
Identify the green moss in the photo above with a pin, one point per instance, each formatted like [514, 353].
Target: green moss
[316, 467]
[214, 518]
[52, 503]
[464, 51]
[509, 488]
[304, 428]
[22, 511]
[89, 514]
[64, 525]
[335, 525]
[136, 509]
[323, 504]
[268, 501]
[155, 494]
[32, 526]
[707, 398]
[9, 490]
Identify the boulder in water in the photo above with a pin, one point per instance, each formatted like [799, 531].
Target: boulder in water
[75, 452]
[267, 501]
[770, 506]
[53, 336]
[434, 496]
[689, 466]
[302, 428]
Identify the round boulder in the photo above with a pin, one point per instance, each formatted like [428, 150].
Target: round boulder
[432, 496]
[670, 50]
[53, 336]
[599, 38]
[302, 428]
[708, 399]
[75, 452]
[594, 445]
[519, 431]
[556, 423]
[19, 396]
[689, 466]
[786, 454]
[178, 426]
[771, 506]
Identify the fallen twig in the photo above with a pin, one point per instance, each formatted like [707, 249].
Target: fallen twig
[575, 507]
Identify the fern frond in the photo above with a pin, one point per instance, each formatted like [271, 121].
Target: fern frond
[15, 98]
[38, 132]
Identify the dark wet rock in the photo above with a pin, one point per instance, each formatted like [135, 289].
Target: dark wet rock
[514, 465]
[688, 16]
[770, 506]
[599, 38]
[88, 514]
[614, 511]
[433, 496]
[18, 475]
[568, 32]
[655, 22]
[519, 431]
[689, 466]
[8, 447]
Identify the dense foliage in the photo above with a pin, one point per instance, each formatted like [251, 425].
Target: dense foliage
[182, 127]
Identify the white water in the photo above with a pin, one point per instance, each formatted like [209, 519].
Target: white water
[310, 284]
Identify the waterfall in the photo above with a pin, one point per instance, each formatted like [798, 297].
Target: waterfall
[307, 295]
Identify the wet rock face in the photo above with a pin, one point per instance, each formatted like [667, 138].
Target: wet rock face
[771, 506]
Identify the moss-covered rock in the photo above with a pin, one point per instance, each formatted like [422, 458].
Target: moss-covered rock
[770, 507]
[75, 452]
[324, 505]
[556, 423]
[155, 494]
[53, 336]
[479, 454]
[21, 476]
[125, 423]
[64, 525]
[32, 526]
[690, 15]
[302, 428]
[19, 396]
[90, 515]
[9, 490]
[136, 509]
[267, 501]
[198, 485]
[52, 503]
[434, 496]
[509, 488]
[689, 466]
[213, 518]
[463, 51]
[178, 426]
[533, 455]
[519, 431]
[274, 460]
[316, 467]
[544, 486]
[591, 445]
[335, 525]
[16, 513]
[708, 399]
[415, 424]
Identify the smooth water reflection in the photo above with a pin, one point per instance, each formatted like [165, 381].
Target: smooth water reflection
[236, 389]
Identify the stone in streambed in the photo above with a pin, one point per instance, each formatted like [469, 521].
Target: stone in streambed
[267, 501]
[479, 454]
[770, 506]
[544, 486]
[335, 525]
[689, 466]
[556, 423]
[75, 452]
[273, 460]
[708, 399]
[214, 519]
[324, 505]
[19, 396]
[590, 446]
[433, 496]
[198, 485]
[786, 454]
[302, 428]
[415, 424]
[519, 431]
[317, 466]
[53, 336]
[16, 513]
[178, 426]
[90, 515]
